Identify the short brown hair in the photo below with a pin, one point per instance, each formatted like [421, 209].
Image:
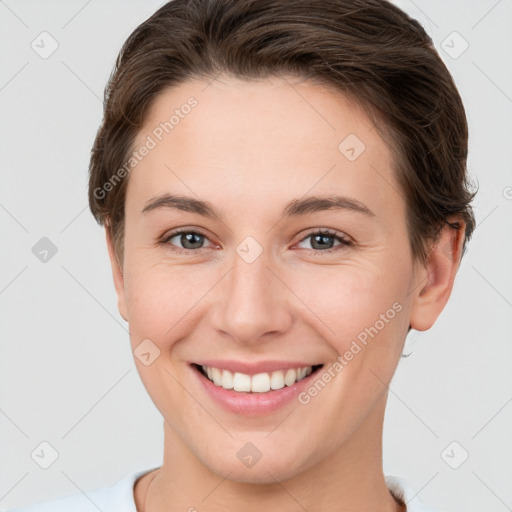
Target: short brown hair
[370, 50]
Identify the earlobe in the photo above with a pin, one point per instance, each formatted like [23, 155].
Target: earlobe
[117, 274]
[435, 280]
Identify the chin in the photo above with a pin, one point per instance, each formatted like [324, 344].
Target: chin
[246, 467]
[264, 474]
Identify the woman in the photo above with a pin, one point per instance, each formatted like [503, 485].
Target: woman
[284, 191]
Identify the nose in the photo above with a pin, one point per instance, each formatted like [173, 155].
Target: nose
[253, 302]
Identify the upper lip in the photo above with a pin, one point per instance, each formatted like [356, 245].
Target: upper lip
[253, 368]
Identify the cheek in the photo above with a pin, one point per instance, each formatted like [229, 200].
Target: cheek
[347, 296]
[160, 297]
[359, 310]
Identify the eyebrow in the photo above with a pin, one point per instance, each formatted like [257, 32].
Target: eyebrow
[296, 207]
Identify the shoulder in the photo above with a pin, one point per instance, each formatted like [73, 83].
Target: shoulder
[89, 502]
[403, 490]
[116, 498]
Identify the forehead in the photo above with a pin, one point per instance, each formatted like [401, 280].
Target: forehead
[262, 141]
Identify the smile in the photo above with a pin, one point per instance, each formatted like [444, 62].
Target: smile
[264, 382]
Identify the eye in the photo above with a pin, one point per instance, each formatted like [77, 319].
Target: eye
[189, 240]
[323, 240]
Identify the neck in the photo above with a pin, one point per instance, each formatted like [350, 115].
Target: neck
[349, 478]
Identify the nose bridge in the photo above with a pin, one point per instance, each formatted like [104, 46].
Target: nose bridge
[252, 303]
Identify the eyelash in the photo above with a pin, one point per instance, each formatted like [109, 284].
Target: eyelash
[344, 241]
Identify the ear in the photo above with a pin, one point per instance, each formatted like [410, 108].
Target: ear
[117, 274]
[434, 280]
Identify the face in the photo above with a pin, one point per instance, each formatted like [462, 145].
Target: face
[265, 232]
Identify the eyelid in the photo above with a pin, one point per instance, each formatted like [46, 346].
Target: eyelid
[327, 231]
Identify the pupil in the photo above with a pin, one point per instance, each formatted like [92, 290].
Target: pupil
[323, 240]
[189, 239]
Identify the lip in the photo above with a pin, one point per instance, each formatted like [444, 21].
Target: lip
[253, 404]
[253, 368]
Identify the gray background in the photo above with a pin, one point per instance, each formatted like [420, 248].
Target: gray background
[67, 376]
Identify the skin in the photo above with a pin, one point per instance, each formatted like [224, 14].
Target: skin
[249, 148]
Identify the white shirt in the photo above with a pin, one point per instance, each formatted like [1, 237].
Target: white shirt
[119, 497]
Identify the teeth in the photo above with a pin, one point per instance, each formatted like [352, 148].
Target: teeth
[241, 382]
[290, 377]
[276, 380]
[259, 383]
[227, 379]
[217, 376]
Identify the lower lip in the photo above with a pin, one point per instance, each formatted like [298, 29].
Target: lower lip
[253, 404]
